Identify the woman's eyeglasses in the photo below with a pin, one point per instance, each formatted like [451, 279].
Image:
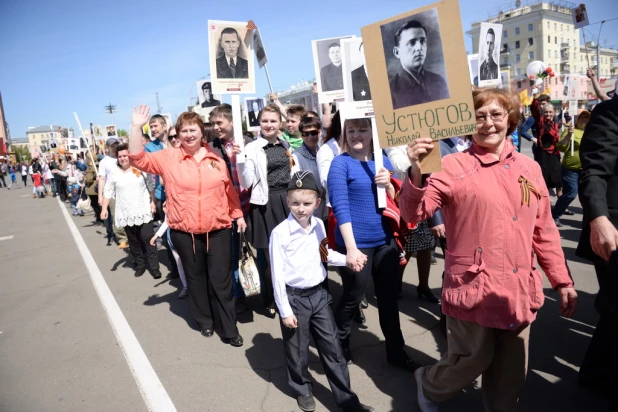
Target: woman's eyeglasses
[173, 136]
[311, 133]
[495, 117]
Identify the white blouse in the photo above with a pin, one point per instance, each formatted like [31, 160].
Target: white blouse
[132, 197]
[326, 154]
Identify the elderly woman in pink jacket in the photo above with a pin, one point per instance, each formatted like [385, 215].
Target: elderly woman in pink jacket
[499, 217]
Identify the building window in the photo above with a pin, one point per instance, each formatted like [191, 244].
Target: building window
[530, 55]
[530, 41]
[517, 44]
[505, 34]
[555, 26]
[516, 31]
[518, 72]
[561, 40]
[581, 57]
[556, 53]
[548, 39]
[562, 27]
[548, 25]
[518, 58]
[505, 61]
[530, 27]
[555, 39]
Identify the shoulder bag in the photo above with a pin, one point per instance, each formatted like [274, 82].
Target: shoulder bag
[248, 274]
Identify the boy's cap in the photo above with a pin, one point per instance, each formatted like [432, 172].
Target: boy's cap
[303, 180]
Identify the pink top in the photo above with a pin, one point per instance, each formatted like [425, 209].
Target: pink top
[498, 215]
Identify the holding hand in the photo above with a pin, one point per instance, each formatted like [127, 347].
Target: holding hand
[417, 151]
[290, 322]
[438, 231]
[242, 225]
[104, 214]
[153, 241]
[141, 115]
[236, 148]
[571, 129]
[356, 260]
[383, 177]
[590, 73]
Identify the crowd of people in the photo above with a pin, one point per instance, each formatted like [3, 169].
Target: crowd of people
[305, 198]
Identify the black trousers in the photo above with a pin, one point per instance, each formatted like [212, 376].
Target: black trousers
[61, 186]
[599, 370]
[24, 178]
[144, 254]
[312, 308]
[94, 202]
[383, 266]
[208, 259]
[160, 215]
[3, 184]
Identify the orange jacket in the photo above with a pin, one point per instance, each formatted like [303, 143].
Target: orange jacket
[200, 197]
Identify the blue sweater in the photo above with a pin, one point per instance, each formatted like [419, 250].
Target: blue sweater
[353, 198]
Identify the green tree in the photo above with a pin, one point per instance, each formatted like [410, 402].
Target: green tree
[22, 154]
[122, 132]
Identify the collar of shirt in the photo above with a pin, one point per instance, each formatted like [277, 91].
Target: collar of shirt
[418, 76]
[182, 154]
[487, 158]
[296, 228]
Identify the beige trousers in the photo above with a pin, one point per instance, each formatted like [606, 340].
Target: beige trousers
[501, 356]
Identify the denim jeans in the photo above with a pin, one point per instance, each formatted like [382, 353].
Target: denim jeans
[570, 183]
[236, 287]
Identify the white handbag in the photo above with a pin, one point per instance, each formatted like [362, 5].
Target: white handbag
[84, 204]
[248, 274]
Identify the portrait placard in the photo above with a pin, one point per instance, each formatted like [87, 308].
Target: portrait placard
[355, 81]
[253, 106]
[418, 87]
[580, 16]
[231, 57]
[328, 68]
[204, 94]
[473, 68]
[258, 46]
[98, 131]
[110, 131]
[489, 55]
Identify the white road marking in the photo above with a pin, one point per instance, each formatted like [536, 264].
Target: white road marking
[154, 394]
[6, 238]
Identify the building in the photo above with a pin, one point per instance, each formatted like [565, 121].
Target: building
[543, 30]
[19, 142]
[5, 142]
[300, 93]
[42, 139]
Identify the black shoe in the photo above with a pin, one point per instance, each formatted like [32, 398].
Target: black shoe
[358, 408]
[236, 341]
[364, 303]
[139, 272]
[347, 354]
[433, 259]
[427, 295]
[569, 213]
[359, 317]
[404, 363]
[207, 332]
[173, 275]
[306, 403]
[558, 224]
[156, 275]
[109, 242]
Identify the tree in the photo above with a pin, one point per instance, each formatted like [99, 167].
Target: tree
[122, 132]
[22, 153]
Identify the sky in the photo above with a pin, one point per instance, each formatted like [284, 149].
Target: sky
[63, 56]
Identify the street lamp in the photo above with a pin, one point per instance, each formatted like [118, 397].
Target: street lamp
[110, 108]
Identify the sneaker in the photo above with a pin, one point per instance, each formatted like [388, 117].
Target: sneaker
[183, 293]
[569, 213]
[558, 224]
[424, 404]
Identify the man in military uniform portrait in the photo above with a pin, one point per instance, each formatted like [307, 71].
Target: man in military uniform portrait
[489, 68]
[360, 82]
[332, 74]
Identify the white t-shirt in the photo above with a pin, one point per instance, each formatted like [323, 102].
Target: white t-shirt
[107, 165]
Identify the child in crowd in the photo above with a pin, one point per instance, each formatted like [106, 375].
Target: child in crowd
[13, 178]
[297, 249]
[74, 195]
[38, 190]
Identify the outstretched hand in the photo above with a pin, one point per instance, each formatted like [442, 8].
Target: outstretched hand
[141, 115]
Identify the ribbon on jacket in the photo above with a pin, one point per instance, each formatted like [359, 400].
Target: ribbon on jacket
[526, 189]
[324, 250]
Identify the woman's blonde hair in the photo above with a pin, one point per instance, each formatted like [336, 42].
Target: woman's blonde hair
[505, 99]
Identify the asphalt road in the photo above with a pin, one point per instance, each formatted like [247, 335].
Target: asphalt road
[60, 352]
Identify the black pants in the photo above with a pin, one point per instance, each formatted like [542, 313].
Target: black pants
[202, 265]
[3, 184]
[315, 319]
[160, 215]
[61, 186]
[144, 254]
[94, 202]
[383, 266]
[24, 178]
[599, 369]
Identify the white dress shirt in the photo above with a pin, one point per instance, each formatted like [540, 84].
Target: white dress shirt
[324, 158]
[295, 259]
[463, 144]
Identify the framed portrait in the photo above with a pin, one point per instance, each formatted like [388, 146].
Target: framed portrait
[355, 80]
[258, 46]
[418, 87]
[205, 96]
[580, 16]
[110, 131]
[253, 106]
[98, 131]
[473, 68]
[230, 46]
[490, 40]
[328, 68]
[505, 80]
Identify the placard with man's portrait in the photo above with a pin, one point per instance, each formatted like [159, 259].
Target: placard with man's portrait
[355, 80]
[231, 57]
[418, 87]
[327, 61]
[580, 16]
[253, 106]
[473, 68]
[489, 55]
[110, 131]
[98, 131]
[205, 96]
[258, 46]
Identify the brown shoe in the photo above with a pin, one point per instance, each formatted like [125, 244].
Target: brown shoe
[123, 245]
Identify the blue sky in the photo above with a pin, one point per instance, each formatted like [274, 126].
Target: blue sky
[61, 56]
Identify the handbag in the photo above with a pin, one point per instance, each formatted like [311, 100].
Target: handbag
[84, 202]
[248, 274]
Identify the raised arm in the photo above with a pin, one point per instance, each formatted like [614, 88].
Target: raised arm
[140, 117]
[595, 84]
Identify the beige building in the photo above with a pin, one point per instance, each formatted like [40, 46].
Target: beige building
[40, 139]
[543, 30]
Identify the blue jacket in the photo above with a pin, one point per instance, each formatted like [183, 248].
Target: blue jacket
[152, 147]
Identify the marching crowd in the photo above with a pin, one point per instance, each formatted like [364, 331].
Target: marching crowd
[305, 197]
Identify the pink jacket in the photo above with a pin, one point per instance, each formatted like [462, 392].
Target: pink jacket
[498, 215]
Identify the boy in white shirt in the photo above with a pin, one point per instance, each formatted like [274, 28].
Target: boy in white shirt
[297, 248]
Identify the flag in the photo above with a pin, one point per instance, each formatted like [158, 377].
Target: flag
[251, 25]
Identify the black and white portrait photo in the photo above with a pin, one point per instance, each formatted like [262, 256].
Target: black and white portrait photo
[473, 68]
[489, 54]
[231, 57]
[327, 60]
[355, 80]
[110, 131]
[253, 105]
[258, 46]
[205, 96]
[98, 131]
[415, 60]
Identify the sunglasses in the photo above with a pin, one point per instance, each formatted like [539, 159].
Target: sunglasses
[311, 133]
[173, 136]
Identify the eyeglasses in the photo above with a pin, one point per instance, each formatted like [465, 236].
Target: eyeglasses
[495, 117]
[311, 133]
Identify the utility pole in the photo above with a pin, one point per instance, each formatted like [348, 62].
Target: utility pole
[110, 108]
[159, 108]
